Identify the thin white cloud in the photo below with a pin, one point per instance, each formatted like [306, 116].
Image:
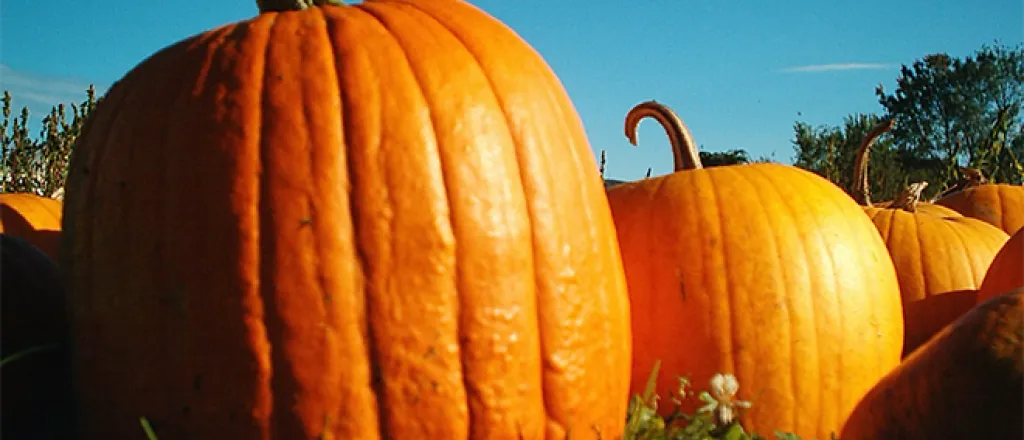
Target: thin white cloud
[41, 92]
[836, 66]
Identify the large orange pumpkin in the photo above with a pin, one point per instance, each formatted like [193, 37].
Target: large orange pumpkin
[765, 271]
[965, 383]
[34, 218]
[940, 261]
[1000, 204]
[370, 221]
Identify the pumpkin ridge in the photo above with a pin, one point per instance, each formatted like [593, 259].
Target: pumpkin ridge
[729, 363]
[530, 210]
[281, 383]
[839, 412]
[551, 406]
[467, 390]
[813, 285]
[767, 185]
[965, 252]
[371, 352]
[335, 411]
[832, 405]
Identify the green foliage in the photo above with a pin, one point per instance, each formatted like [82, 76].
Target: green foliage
[644, 423]
[952, 112]
[718, 158]
[948, 112]
[830, 152]
[39, 165]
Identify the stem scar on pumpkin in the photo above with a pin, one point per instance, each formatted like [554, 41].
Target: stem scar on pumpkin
[684, 150]
[861, 187]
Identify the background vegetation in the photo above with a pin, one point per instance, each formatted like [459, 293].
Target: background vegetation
[949, 113]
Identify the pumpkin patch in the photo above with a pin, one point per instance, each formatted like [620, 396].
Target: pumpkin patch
[383, 219]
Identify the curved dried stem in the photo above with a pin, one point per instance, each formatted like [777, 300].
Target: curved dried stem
[907, 199]
[684, 150]
[861, 184]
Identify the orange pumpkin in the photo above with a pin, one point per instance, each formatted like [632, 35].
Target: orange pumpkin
[34, 218]
[940, 261]
[1006, 272]
[861, 188]
[936, 285]
[765, 271]
[999, 204]
[370, 221]
[965, 383]
[36, 373]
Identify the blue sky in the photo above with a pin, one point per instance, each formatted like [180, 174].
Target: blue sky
[739, 73]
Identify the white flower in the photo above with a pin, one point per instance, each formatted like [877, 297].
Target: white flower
[722, 399]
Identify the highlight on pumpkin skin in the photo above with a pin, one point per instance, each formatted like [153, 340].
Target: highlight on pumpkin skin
[684, 149]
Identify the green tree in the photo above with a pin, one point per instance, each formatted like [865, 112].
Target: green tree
[39, 165]
[952, 112]
[719, 158]
[830, 152]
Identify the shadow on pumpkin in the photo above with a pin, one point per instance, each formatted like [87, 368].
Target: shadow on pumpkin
[47, 240]
[931, 314]
[36, 394]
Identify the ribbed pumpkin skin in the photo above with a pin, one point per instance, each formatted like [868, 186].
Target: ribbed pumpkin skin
[940, 262]
[34, 218]
[965, 383]
[370, 221]
[1000, 204]
[1007, 269]
[765, 271]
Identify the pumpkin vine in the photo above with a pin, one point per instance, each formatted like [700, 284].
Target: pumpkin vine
[861, 187]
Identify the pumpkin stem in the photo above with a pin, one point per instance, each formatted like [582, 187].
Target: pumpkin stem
[908, 198]
[970, 177]
[684, 150]
[861, 185]
[292, 5]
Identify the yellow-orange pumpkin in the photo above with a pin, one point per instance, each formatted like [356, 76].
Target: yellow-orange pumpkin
[352, 222]
[939, 271]
[765, 271]
[940, 262]
[966, 383]
[34, 218]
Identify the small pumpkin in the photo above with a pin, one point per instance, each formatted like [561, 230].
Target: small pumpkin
[765, 271]
[940, 261]
[36, 369]
[34, 218]
[1000, 204]
[381, 220]
[965, 383]
[926, 268]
